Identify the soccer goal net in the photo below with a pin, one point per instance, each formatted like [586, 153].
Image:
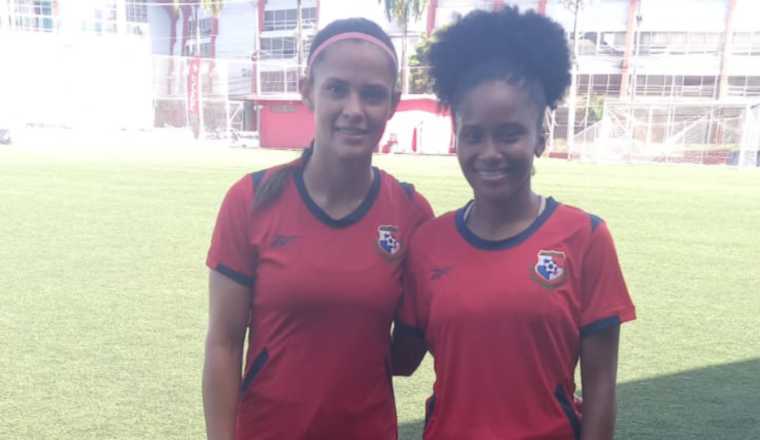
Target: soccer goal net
[671, 132]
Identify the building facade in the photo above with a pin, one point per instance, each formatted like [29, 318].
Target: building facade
[75, 63]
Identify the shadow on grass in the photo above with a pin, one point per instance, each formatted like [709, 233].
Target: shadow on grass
[719, 402]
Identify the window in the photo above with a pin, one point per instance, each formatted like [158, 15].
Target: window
[605, 85]
[278, 47]
[309, 16]
[588, 43]
[206, 23]
[34, 15]
[744, 86]
[612, 42]
[192, 48]
[103, 19]
[275, 82]
[287, 19]
[137, 11]
[746, 43]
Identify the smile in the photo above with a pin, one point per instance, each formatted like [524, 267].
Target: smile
[351, 131]
[492, 174]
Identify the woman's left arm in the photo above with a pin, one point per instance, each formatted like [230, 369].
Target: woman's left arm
[599, 359]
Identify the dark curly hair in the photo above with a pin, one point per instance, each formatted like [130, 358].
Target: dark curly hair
[523, 48]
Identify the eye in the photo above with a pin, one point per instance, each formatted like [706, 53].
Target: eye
[336, 90]
[472, 136]
[509, 135]
[375, 95]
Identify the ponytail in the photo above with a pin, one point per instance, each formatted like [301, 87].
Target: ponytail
[272, 186]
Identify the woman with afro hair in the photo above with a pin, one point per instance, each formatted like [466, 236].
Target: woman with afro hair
[512, 290]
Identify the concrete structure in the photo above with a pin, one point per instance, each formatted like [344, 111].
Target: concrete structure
[675, 50]
[75, 64]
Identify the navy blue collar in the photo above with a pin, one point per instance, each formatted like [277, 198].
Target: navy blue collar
[492, 245]
[351, 218]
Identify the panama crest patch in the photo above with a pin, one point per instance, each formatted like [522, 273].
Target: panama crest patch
[388, 241]
[550, 269]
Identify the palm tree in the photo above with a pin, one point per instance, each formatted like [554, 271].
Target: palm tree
[213, 7]
[403, 12]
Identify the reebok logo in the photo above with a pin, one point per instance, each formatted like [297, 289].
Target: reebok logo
[280, 241]
[439, 272]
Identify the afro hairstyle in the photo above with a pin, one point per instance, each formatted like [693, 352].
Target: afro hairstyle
[506, 44]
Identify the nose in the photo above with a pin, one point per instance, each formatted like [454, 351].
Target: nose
[352, 107]
[490, 149]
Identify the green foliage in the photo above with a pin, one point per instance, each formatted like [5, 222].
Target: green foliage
[403, 11]
[419, 80]
[214, 7]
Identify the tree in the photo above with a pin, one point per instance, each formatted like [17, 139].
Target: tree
[213, 7]
[419, 78]
[403, 12]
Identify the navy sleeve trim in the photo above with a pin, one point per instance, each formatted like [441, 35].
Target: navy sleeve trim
[567, 408]
[403, 329]
[599, 325]
[257, 177]
[595, 221]
[235, 276]
[408, 189]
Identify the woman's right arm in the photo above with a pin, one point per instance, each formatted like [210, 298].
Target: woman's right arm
[229, 306]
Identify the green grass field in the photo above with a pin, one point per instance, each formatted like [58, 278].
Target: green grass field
[104, 299]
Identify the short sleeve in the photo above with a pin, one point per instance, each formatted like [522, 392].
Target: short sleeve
[424, 211]
[605, 300]
[231, 252]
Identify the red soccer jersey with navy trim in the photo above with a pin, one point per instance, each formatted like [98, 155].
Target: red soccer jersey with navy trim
[325, 293]
[504, 321]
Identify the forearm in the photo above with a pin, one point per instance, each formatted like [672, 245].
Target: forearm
[599, 353]
[599, 408]
[221, 384]
[407, 352]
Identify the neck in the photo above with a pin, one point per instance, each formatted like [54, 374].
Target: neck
[333, 182]
[501, 219]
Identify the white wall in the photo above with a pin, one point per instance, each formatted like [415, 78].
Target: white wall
[337, 9]
[93, 81]
[159, 21]
[683, 15]
[598, 15]
[237, 31]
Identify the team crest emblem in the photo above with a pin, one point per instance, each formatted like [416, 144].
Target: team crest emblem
[387, 240]
[550, 270]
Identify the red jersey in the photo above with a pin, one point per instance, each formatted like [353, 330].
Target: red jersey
[324, 294]
[504, 321]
